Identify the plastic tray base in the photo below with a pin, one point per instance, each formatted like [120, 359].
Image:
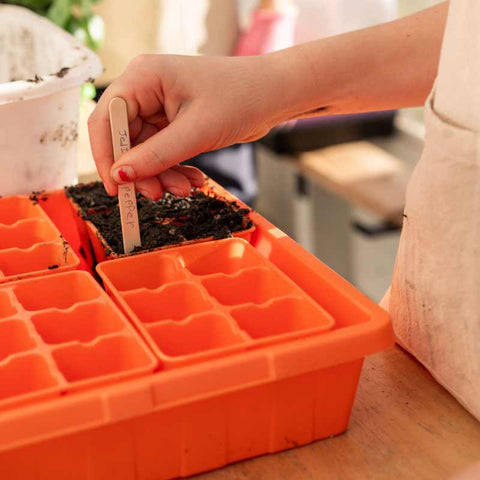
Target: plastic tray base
[199, 436]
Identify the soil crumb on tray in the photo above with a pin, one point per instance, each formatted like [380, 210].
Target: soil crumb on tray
[35, 197]
[167, 221]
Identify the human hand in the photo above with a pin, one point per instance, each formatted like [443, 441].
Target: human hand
[179, 107]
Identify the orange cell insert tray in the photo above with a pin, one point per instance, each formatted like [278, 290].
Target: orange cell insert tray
[62, 333]
[30, 244]
[210, 299]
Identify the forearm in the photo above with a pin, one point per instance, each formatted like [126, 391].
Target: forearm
[389, 66]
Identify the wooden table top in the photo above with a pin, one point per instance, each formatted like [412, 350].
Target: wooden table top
[404, 425]
[361, 173]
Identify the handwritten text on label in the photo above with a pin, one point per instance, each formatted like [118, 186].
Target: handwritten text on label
[124, 143]
[129, 205]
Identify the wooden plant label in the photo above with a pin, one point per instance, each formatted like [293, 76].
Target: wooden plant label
[126, 192]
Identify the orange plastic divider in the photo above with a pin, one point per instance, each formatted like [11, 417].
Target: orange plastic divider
[16, 208]
[25, 375]
[103, 252]
[27, 233]
[30, 244]
[201, 332]
[277, 317]
[60, 326]
[14, 337]
[162, 270]
[59, 209]
[224, 286]
[61, 332]
[230, 289]
[7, 307]
[171, 302]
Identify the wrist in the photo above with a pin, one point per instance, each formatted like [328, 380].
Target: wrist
[296, 87]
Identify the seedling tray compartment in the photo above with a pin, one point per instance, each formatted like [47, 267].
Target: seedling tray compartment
[30, 244]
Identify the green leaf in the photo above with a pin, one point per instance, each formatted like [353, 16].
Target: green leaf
[38, 6]
[88, 91]
[80, 22]
[89, 41]
[60, 12]
[86, 6]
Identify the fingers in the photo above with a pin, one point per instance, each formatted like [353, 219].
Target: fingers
[184, 138]
[138, 87]
[150, 188]
[175, 182]
[102, 150]
[135, 128]
[145, 133]
[101, 139]
[193, 175]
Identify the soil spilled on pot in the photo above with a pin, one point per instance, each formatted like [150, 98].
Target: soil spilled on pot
[168, 221]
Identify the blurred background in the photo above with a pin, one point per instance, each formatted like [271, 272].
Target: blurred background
[335, 184]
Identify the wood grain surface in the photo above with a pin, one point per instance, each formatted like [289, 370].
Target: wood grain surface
[361, 173]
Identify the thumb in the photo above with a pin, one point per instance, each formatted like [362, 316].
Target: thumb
[182, 139]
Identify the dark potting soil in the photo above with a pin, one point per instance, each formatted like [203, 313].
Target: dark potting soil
[167, 221]
[35, 197]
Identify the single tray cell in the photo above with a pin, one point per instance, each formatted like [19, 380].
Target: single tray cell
[26, 233]
[281, 316]
[219, 257]
[200, 333]
[146, 272]
[209, 212]
[43, 256]
[13, 209]
[14, 337]
[6, 306]
[81, 323]
[234, 290]
[29, 373]
[104, 357]
[172, 302]
[60, 291]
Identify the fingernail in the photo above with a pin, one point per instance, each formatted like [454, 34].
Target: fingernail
[123, 174]
[194, 183]
[177, 192]
[145, 193]
[107, 189]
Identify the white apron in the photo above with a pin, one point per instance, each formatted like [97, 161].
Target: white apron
[435, 294]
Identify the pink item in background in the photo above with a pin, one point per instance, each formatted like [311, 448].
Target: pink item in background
[269, 31]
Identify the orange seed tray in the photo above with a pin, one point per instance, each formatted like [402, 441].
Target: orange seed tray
[242, 367]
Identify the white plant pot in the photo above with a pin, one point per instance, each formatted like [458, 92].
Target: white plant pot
[39, 119]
